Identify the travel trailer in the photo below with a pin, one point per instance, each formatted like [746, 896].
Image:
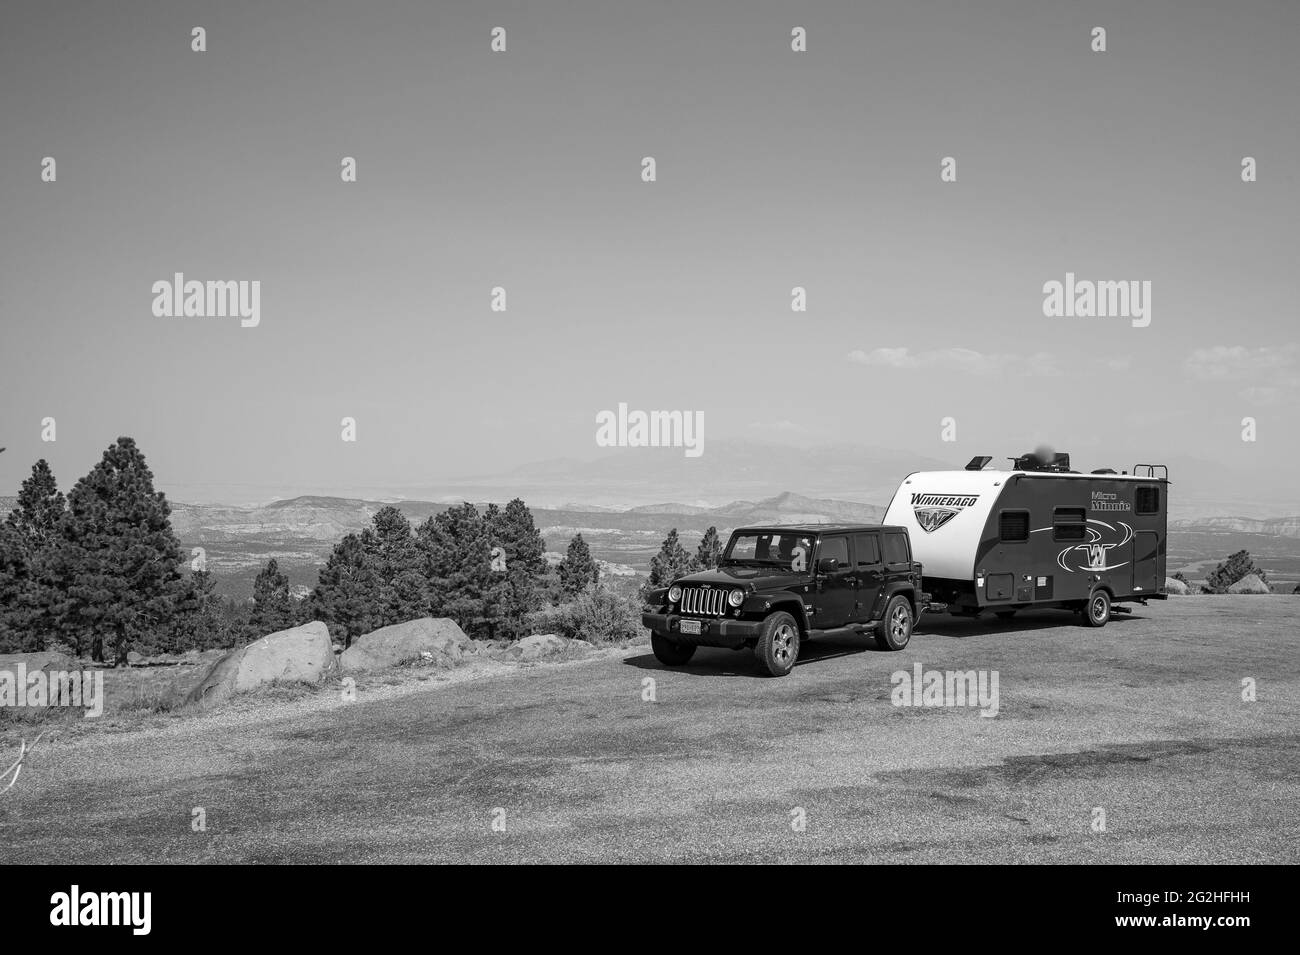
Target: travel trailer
[1037, 535]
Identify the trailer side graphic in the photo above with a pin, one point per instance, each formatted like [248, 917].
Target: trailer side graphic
[1005, 540]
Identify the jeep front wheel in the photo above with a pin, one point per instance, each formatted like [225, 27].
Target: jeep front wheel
[670, 653]
[896, 628]
[778, 644]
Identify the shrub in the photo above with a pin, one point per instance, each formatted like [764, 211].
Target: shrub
[598, 615]
[1237, 566]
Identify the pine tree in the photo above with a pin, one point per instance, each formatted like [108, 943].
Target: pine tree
[33, 536]
[273, 606]
[40, 508]
[1237, 566]
[345, 594]
[16, 633]
[671, 562]
[394, 561]
[457, 557]
[117, 555]
[516, 591]
[578, 570]
[709, 552]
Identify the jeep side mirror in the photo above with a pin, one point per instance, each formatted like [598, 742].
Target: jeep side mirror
[828, 565]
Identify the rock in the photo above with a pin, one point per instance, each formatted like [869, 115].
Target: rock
[1250, 584]
[440, 638]
[299, 654]
[538, 646]
[134, 658]
[1176, 587]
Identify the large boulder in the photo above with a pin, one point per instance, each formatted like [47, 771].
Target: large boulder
[300, 654]
[1176, 587]
[539, 647]
[1250, 584]
[433, 640]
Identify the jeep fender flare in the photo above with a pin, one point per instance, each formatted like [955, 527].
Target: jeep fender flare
[766, 604]
[906, 590]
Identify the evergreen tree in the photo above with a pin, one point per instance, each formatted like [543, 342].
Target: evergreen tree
[1237, 566]
[709, 552]
[344, 597]
[578, 570]
[517, 590]
[117, 555]
[457, 559]
[671, 562]
[16, 633]
[395, 566]
[33, 528]
[40, 508]
[273, 607]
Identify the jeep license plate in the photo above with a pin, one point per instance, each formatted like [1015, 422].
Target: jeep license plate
[692, 626]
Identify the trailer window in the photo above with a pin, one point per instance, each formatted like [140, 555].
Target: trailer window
[1069, 524]
[1013, 526]
[896, 549]
[1147, 500]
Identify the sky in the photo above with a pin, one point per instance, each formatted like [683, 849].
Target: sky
[523, 169]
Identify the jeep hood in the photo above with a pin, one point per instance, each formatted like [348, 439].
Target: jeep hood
[751, 578]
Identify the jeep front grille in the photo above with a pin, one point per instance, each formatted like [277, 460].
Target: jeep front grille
[708, 603]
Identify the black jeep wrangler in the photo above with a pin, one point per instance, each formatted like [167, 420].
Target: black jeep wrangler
[775, 587]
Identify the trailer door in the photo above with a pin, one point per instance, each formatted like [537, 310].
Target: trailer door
[1146, 545]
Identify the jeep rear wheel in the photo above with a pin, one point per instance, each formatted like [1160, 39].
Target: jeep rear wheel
[1097, 611]
[670, 653]
[778, 644]
[896, 628]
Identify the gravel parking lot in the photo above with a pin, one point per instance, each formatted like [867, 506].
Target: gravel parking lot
[1141, 725]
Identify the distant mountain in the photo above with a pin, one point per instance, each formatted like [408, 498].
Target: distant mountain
[1273, 527]
[726, 470]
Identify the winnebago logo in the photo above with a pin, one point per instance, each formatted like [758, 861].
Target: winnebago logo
[1095, 553]
[934, 510]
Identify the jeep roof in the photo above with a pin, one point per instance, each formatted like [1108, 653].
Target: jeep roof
[821, 528]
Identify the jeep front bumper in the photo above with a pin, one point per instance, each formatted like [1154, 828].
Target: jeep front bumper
[714, 631]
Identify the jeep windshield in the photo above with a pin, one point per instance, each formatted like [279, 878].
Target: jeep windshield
[769, 549]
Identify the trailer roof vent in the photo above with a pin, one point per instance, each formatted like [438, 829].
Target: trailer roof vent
[978, 462]
[1042, 460]
[1104, 471]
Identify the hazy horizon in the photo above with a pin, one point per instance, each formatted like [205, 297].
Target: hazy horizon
[775, 169]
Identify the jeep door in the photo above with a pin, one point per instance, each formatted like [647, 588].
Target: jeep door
[870, 573]
[837, 589]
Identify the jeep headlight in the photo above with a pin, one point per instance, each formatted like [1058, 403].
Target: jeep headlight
[674, 594]
[736, 598]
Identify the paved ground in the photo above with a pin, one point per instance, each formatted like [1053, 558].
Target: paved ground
[1143, 719]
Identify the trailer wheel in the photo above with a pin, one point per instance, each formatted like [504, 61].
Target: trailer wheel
[669, 652]
[1097, 612]
[895, 628]
[778, 645]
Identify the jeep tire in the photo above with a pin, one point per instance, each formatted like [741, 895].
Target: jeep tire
[669, 652]
[1097, 610]
[778, 644]
[895, 628]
